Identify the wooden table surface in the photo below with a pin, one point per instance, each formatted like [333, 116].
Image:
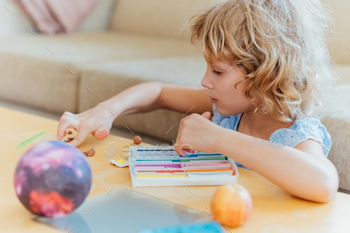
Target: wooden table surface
[274, 210]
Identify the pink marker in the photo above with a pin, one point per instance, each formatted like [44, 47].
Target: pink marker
[222, 165]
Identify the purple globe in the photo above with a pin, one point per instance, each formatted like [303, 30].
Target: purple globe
[52, 179]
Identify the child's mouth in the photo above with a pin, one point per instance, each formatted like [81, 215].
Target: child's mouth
[213, 100]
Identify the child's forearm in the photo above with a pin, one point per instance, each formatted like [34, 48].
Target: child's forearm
[143, 97]
[301, 174]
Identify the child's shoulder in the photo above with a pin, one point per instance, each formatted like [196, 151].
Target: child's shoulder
[303, 129]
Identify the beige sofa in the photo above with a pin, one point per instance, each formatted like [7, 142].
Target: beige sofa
[127, 42]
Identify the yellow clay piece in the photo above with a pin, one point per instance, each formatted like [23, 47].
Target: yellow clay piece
[120, 161]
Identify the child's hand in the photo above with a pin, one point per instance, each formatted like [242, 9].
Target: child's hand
[97, 121]
[196, 133]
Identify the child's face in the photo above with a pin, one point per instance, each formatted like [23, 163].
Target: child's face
[230, 100]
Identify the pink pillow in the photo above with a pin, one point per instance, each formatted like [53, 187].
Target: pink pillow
[53, 16]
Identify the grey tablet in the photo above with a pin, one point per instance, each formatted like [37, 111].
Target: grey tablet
[125, 211]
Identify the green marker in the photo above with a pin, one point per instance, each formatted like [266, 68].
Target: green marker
[29, 140]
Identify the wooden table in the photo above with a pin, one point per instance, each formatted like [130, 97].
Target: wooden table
[274, 210]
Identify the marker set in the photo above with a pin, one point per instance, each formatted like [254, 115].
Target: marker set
[162, 166]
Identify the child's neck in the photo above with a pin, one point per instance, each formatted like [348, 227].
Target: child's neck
[260, 125]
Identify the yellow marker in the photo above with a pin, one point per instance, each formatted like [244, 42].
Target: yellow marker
[120, 161]
[161, 175]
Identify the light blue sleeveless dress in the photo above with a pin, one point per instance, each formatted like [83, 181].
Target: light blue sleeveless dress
[302, 129]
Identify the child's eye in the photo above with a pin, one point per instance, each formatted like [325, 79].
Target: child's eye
[217, 72]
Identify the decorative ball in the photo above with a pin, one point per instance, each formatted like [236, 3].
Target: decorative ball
[52, 179]
[231, 205]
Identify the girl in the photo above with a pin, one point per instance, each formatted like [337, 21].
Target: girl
[267, 68]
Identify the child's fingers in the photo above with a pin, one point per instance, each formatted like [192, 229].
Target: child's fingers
[101, 133]
[63, 125]
[177, 148]
[83, 132]
[180, 152]
[188, 150]
[183, 149]
[206, 114]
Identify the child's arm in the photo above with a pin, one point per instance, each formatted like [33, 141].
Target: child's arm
[139, 98]
[149, 96]
[302, 171]
[182, 99]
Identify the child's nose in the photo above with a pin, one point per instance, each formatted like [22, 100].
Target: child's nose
[206, 82]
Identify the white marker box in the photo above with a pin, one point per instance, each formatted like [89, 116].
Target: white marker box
[191, 179]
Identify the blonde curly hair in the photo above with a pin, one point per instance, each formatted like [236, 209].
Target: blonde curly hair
[281, 45]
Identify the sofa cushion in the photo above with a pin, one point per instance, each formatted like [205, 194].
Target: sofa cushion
[44, 71]
[155, 17]
[335, 115]
[38, 83]
[114, 77]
